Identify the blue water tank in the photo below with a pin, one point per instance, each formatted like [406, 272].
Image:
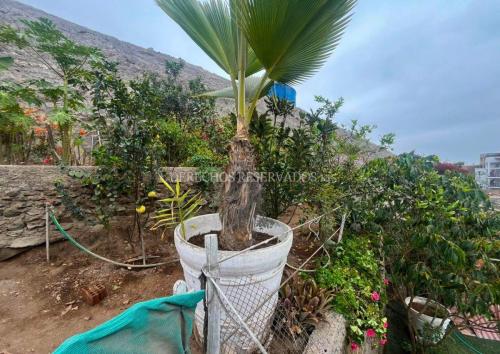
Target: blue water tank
[282, 92]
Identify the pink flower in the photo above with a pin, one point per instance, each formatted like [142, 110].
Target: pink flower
[386, 324]
[370, 333]
[375, 296]
[386, 281]
[383, 341]
[354, 346]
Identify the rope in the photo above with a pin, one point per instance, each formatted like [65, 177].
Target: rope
[316, 235]
[86, 250]
[274, 237]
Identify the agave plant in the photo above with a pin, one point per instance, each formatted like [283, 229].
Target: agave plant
[257, 42]
[304, 305]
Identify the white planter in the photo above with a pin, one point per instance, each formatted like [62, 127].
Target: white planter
[421, 320]
[246, 279]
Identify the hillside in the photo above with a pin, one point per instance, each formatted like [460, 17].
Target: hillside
[134, 60]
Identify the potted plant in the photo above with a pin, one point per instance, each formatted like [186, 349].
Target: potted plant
[429, 318]
[256, 43]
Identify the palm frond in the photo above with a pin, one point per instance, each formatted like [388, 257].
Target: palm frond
[251, 86]
[211, 26]
[292, 39]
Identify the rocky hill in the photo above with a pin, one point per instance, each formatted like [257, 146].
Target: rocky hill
[134, 60]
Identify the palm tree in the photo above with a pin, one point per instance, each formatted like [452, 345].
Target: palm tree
[257, 42]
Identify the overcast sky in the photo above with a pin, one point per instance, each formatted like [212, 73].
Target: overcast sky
[426, 70]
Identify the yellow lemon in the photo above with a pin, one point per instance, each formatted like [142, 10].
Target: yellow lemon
[141, 209]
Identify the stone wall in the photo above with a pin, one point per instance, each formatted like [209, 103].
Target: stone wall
[24, 191]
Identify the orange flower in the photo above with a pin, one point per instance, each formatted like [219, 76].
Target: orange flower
[29, 111]
[479, 264]
[83, 132]
[40, 132]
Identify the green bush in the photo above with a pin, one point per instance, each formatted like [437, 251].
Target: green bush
[356, 280]
[440, 234]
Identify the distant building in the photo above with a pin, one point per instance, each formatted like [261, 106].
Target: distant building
[488, 172]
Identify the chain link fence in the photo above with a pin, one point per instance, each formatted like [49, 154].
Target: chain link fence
[254, 319]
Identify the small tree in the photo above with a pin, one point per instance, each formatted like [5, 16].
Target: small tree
[15, 122]
[287, 41]
[68, 60]
[142, 124]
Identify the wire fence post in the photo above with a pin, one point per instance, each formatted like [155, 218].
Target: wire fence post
[213, 333]
[47, 241]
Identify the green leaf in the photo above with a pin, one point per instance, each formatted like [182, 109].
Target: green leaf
[61, 117]
[211, 26]
[292, 39]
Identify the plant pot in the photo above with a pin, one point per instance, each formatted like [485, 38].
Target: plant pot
[247, 279]
[421, 320]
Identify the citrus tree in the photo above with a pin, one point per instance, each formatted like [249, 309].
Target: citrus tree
[257, 42]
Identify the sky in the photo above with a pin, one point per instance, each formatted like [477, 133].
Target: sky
[426, 70]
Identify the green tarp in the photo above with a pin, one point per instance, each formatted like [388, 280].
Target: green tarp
[161, 325]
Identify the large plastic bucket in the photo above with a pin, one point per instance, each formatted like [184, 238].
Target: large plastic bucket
[247, 279]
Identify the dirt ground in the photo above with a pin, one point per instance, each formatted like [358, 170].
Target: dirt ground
[40, 302]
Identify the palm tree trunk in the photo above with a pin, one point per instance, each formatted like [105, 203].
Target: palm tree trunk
[241, 194]
[241, 185]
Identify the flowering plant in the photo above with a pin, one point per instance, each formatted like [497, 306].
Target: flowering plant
[359, 289]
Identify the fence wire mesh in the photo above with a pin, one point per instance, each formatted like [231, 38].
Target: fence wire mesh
[271, 323]
[255, 318]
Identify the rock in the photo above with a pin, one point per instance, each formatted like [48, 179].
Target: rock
[14, 233]
[96, 229]
[16, 225]
[329, 336]
[35, 212]
[13, 192]
[31, 218]
[35, 225]
[20, 205]
[11, 212]
[6, 253]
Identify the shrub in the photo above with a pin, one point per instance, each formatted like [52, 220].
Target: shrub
[439, 232]
[442, 167]
[144, 127]
[355, 278]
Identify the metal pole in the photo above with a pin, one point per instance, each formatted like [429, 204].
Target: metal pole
[213, 333]
[47, 241]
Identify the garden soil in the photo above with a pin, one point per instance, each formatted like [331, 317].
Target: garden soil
[40, 302]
